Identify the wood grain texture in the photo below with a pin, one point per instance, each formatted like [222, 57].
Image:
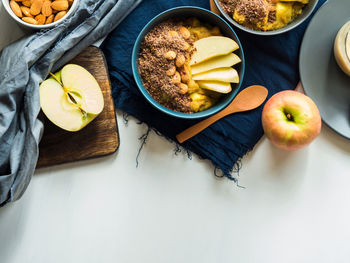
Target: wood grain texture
[99, 138]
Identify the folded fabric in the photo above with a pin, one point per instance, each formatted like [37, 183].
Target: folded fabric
[26, 63]
[270, 61]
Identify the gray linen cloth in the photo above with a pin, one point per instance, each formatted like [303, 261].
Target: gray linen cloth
[23, 66]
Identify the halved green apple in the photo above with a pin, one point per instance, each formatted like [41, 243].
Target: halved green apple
[71, 98]
[209, 47]
[219, 74]
[216, 62]
[217, 86]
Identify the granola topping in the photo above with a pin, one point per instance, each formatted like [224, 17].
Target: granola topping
[164, 65]
[157, 65]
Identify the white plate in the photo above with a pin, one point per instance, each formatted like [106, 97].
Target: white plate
[321, 76]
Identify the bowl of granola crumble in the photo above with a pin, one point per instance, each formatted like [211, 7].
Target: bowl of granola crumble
[266, 17]
[165, 71]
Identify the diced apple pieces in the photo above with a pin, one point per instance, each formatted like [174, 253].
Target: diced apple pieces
[219, 74]
[209, 47]
[217, 86]
[216, 62]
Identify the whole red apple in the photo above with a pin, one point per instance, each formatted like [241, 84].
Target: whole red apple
[291, 120]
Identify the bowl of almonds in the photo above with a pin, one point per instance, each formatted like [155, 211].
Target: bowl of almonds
[39, 14]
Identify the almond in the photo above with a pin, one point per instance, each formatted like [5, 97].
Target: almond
[30, 20]
[26, 11]
[49, 19]
[185, 74]
[183, 88]
[185, 32]
[27, 3]
[41, 19]
[180, 61]
[171, 71]
[16, 9]
[60, 5]
[46, 9]
[59, 15]
[185, 46]
[35, 8]
[176, 78]
[173, 33]
[170, 55]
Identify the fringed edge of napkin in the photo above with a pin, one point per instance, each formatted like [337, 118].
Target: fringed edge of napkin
[223, 171]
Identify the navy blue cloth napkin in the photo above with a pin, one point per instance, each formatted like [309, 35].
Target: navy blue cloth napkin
[271, 61]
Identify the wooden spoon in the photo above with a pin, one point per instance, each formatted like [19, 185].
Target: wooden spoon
[248, 99]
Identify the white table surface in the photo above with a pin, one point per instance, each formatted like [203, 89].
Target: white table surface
[295, 206]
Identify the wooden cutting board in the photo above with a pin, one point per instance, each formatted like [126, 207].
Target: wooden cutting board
[99, 138]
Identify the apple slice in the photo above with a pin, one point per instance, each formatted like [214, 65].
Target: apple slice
[209, 47]
[71, 98]
[217, 86]
[216, 62]
[219, 74]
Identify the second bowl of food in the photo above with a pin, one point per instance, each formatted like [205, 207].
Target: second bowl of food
[188, 62]
[266, 17]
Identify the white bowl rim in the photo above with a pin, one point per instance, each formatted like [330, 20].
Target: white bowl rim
[6, 4]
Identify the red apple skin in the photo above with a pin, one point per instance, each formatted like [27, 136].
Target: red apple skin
[297, 132]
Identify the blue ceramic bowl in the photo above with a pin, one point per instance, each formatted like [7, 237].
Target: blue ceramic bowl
[203, 15]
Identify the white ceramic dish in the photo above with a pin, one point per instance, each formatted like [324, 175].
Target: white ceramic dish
[322, 78]
[6, 4]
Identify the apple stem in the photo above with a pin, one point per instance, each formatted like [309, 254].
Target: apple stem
[59, 82]
[290, 117]
[53, 75]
